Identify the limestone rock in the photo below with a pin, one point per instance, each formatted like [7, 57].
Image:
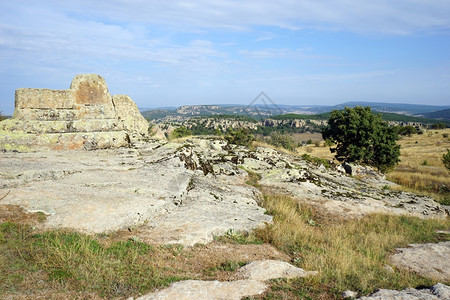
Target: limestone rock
[149, 189]
[349, 294]
[429, 260]
[208, 290]
[271, 269]
[182, 192]
[437, 292]
[82, 117]
[128, 112]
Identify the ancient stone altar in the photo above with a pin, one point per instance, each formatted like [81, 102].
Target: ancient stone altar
[85, 116]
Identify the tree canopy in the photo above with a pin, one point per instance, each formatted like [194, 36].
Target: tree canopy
[361, 136]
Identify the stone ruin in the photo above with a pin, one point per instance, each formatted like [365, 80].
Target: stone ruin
[85, 116]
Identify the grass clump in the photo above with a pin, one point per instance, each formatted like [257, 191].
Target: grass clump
[77, 262]
[348, 254]
[239, 237]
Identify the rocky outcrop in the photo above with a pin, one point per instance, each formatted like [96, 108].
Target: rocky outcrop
[184, 192]
[128, 113]
[437, 292]
[429, 260]
[254, 274]
[209, 290]
[85, 116]
[223, 124]
[163, 192]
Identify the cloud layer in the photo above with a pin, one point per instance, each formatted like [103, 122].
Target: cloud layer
[205, 48]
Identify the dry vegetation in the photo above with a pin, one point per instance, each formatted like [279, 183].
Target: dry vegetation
[349, 254]
[421, 168]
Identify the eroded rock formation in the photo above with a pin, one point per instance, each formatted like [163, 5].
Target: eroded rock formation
[85, 116]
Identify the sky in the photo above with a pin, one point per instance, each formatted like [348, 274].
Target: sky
[172, 53]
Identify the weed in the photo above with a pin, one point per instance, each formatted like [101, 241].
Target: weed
[42, 217]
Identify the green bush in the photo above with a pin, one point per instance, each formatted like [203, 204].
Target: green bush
[406, 130]
[363, 137]
[282, 140]
[243, 137]
[180, 132]
[446, 159]
[439, 125]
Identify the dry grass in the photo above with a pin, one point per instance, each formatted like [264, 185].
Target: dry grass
[321, 151]
[349, 254]
[279, 149]
[421, 168]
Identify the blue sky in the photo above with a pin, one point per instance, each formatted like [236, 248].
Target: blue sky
[171, 53]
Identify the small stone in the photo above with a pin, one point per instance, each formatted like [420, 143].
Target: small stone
[389, 269]
[349, 294]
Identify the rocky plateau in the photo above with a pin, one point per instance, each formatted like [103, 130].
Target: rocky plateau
[179, 192]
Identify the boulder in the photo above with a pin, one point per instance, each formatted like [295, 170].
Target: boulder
[251, 282]
[271, 269]
[128, 112]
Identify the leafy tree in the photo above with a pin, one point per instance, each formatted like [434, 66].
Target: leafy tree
[446, 159]
[361, 136]
[439, 125]
[242, 137]
[406, 130]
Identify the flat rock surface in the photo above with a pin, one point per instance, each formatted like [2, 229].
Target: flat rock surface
[438, 291]
[108, 190]
[428, 260]
[250, 281]
[184, 192]
[209, 290]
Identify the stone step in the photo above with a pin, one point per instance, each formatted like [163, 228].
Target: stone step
[25, 142]
[43, 127]
[66, 114]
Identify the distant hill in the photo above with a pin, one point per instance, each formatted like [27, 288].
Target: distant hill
[263, 111]
[443, 114]
[399, 108]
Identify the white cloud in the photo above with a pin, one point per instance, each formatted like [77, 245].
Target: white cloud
[381, 16]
